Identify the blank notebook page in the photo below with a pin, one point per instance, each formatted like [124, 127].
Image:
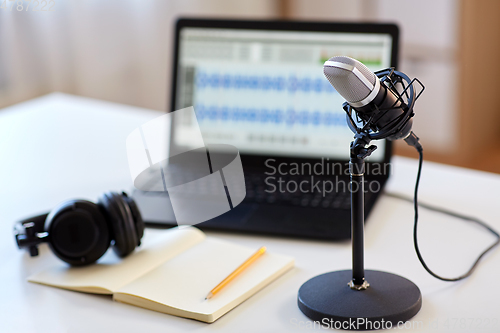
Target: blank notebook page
[106, 277]
[183, 282]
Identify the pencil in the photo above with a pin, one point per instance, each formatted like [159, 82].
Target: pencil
[236, 272]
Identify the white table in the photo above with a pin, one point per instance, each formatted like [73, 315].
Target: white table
[59, 147]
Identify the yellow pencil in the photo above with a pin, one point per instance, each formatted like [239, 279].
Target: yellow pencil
[236, 272]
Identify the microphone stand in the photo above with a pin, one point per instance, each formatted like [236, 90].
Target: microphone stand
[332, 300]
[357, 173]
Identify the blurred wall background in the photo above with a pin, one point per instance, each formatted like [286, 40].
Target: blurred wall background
[120, 51]
[116, 50]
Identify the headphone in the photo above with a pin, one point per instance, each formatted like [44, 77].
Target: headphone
[79, 232]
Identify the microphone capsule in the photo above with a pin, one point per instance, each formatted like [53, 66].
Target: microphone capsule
[357, 84]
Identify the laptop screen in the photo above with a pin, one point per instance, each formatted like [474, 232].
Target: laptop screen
[264, 91]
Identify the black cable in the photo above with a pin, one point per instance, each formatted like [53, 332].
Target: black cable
[444, 211]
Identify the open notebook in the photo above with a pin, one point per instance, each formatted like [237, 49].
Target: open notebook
[173, 275]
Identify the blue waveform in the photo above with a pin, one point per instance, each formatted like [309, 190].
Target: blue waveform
[277, 83]
[262, 115]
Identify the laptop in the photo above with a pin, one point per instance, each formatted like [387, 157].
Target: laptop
[259, 86]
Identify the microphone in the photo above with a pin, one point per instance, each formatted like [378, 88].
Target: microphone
[375, 102]
[376, 109]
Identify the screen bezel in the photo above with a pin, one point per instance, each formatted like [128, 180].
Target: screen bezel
[258, 160]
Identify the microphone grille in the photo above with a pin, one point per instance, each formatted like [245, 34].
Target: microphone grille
[346, 82]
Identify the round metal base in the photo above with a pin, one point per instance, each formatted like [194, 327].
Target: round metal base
[390, 299]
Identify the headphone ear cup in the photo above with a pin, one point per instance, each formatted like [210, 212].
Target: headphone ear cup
[136, 216]
[121, 223]
[78, 232]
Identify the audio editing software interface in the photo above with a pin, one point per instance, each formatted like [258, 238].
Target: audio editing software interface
[264, 91]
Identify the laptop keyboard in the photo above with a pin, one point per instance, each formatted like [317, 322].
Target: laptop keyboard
[256, 192]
